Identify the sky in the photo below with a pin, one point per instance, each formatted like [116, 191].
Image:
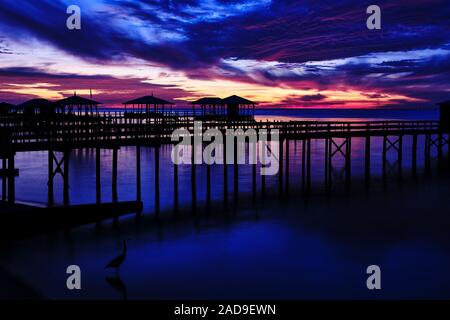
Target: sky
[278, 53]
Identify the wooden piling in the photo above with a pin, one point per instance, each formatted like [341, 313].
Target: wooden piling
[98, 184]
[280, 170]
[236, 173]
[308, 165]
[367, 161]
[400, 157]
[384, 158]
[348, 157]
[175, 185]
[414, 155]
[157, 191]
[51, 175]
[114, 175]
[287, 168]
[4, 180]
[193, 181]
[66, 161]
[138, 174]
[225, 172]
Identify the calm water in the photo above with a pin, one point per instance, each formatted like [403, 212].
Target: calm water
[295, 248]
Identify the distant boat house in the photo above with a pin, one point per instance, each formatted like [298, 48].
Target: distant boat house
[77, 105]
[230, 108]
[37, 107]
[147, 106]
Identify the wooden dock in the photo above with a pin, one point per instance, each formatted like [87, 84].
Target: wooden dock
[114, 130]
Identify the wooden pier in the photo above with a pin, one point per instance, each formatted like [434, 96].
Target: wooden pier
[115, 130]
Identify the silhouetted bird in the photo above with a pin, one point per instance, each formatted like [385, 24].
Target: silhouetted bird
[117, 261]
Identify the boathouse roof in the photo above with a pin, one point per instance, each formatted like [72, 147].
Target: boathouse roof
[237, 100]
[209, 101]
[148, 100]
[77, 101]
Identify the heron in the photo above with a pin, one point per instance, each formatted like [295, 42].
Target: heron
[117, 261]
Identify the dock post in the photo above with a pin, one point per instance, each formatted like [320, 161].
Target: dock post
[225, 173]
[400, 156]
[51, 176]
[193, 180]
[414, 156]
[98, 187]
[348, 157]
[280, 171]
[175, 184]
[427, 153]
[11, 180]
[440, 151]
[66, 160]
[114, 175]
[308, 165]
[157, 191]
[384, 157]
[236, 173]
[287, 167]
[303, 165]
[264, 146]
[208, 185]
[327, 142]
[4, 177]
[138, 173]
[367, 161]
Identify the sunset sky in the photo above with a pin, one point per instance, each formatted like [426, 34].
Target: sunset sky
[279, 53]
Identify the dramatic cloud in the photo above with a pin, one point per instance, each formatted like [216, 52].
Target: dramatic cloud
[279, 52]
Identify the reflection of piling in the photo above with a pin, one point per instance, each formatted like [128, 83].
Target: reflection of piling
[114, 175]
[427, 153]
[287, 168]
[193, 181]
[327, 164]
[98, 184]
[11, 180]
[208, 185]
[280, 170]
[138, 174]
[157, 191]
[308, 165]
[4, 185]
[400, 157]
[66, 161]
[348, 157]
[414, 155]
[225, 173]
[51, 197]
[367, 161]
[175, 184]
[236, 172]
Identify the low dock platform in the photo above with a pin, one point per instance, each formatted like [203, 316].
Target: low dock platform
[24, 220]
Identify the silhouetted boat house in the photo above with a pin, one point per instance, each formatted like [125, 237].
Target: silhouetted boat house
[147, 105]
[77, 104]
[232, 108]
[210, 107]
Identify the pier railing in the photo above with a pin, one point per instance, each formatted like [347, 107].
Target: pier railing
[112, 128]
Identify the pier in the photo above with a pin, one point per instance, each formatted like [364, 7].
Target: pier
[102, 130]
